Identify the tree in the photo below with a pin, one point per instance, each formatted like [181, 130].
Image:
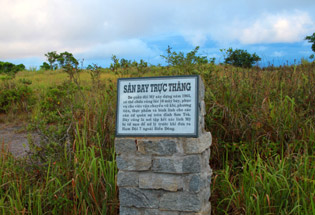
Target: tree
[142, 66]
[69, 64]
[66, 59]
[125, 65]
[240, 58]
[45, 66]
[52, 58]
[182, 61]
[311, 39]
[116, 65]
[10, 68]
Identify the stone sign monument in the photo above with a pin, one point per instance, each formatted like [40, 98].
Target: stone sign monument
[162, 148]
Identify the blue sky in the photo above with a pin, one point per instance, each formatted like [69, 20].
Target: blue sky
[94, 30]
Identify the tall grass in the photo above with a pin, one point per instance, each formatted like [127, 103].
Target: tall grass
[84, 185]
[66, 177]
[262, 122]
[273, 186]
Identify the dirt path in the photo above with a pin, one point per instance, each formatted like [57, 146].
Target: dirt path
[15, 138]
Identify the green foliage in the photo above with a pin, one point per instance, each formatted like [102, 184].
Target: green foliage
[45, 66]
[10, 68]
[56, 102]
[82, 182]
[273, 186]
[240, 58]
[25, 81]
[311, 39]
[95, 73]
[265, 113]
[65, 60]
[125, 64]
[142, 66]
[52, 58]
[184, 63]
[262, 154]
[56, 108]
[115, 65]
[16, 97]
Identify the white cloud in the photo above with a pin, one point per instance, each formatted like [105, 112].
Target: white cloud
[100, 28]
[196, 38]
[277, 28]
[278, 54]
[121, 48]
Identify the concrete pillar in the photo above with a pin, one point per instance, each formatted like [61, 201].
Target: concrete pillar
[165, 175]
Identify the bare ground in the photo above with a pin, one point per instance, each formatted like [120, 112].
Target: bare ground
[15, 139]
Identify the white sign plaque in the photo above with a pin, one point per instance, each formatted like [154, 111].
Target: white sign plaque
[157, 106]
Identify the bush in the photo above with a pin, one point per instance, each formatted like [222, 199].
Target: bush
[10, 68]
[186, 64]
[240, 58]
[15, 97]
[45, 66]
[56, 102]
[311, 39]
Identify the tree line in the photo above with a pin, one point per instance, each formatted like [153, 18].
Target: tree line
[66, 60]
[10, 68]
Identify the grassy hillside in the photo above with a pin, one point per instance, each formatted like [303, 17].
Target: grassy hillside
[262, 122]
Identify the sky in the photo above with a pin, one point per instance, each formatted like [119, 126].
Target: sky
[94, 30]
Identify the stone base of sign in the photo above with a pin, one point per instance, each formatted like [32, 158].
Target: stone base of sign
[165, 175]
[169, 176]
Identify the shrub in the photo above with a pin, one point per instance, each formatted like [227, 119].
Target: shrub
[311, 39]
[10, 68]
[45, 66]
[240, 58]
[15, 97]
[57, 101]
[184, 63]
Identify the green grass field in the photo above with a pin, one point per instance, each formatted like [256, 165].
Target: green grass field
[262, 122]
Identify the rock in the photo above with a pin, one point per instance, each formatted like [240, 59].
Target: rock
[161, 147]
[181, 201]
[184, 164]
[197, 145]
[135, 197]
[125, 145]
[160, 181]
[127, 179]
[133, 162]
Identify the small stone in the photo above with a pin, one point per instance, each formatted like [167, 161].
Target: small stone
[133, 162]
[192, 164]
[127, 179]
[160, 181]
[185, 164]
[181, 201]
[205, 211]
[167, 165]
[197, 145]
[197, 182]
[124, 145]
[161, 147]
[135, 197]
